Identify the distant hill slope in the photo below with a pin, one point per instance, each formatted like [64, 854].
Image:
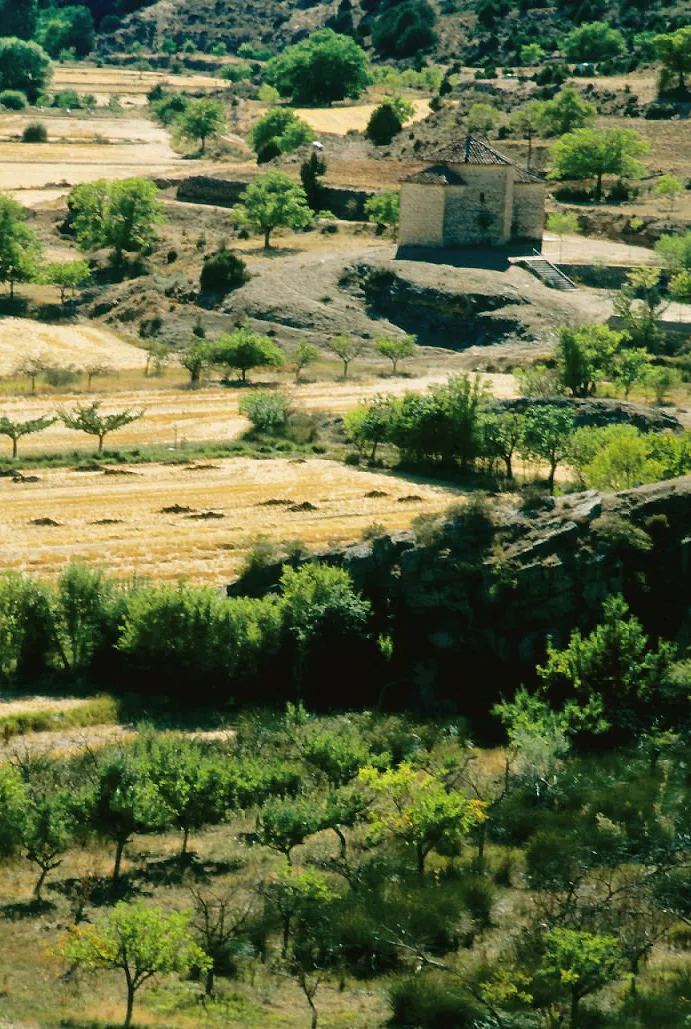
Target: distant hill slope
[468, 31]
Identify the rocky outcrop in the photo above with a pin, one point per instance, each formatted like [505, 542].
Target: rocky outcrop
[470, 613]
[593, 411]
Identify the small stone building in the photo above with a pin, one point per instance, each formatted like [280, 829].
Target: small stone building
[471, 196]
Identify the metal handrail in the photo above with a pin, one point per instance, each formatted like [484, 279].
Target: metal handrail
[554, 267]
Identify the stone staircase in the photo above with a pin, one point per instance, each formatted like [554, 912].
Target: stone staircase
[547, 272]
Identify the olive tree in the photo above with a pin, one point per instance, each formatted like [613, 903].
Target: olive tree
[139, 941]
[396, 349]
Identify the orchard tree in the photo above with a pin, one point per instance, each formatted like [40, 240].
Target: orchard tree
[284, 823]
[502, 435]
[202, 119]
[140, 941]
[243, 350]
[593, 41]
[97, 370]
[566, 112]
[279, 131]
[66, 275]
[32, 366]
[370, 424]
[20, 250]
[24, 65]
[527, 122]
[195, 359]
[594, 153]
[674, 50]
[304, 355]
[385, 209]
[88, 419]
[49, 830]
[580, 963]
[614, 675]
[668, 188]
[630, 367]
[396, 349]
[417, 809]
[274, 201]
[218, 920]
[320, 69]
[563, 223]
[293, 895]
[190, 783]
[547, 434]
[347, 348]
[122, 215]
[125, 801]
[16, 430]
[585, 357]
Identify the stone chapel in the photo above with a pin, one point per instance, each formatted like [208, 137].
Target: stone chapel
[472, 196]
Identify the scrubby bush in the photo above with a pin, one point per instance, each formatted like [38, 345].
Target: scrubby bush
[35, 132]
[268, 411]
[223, 272]
[13, 100]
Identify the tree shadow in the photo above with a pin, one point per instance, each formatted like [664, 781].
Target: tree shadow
[22, 909]
[98, 891]
[184, 868]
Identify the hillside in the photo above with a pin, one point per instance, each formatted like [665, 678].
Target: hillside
[467, 31]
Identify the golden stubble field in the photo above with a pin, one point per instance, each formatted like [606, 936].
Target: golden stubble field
[123, 520]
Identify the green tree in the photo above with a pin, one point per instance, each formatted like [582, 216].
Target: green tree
[66, 275]
[320, 69]
[274, 201]
[122, 215]
[547, 435]
[370, 424]
[27, 628]
[281, 130]
[49, 831]
[614, 675]
[580, 963]
[679, 287]
[383, 125]
[563, 223]
[23, 65]
[640, 304]
[195, 359]
[201, 120]
[190, 780]
[311, 172]
[19, 248]
[418, 810]
[674, 50]
[623, 463]
[404, 29]
[16, 430]
[125, 801]
[243, 350]
[268, 410]
[385, 209]
[482, 118]
[347, 348]
[293, 895]
[284, 823]
[87, 609]
[531, 54]
[18, 18]
[585, 356]
[667, 188]
[140, 941]
[592, 42]
[219, 922]
[527, 122]
[87, 418]
[502, 436]
[66, 28]
[630, 367]
[660, 380]
[396, 349]
[304, 355]
[13, 805]
[594, 153]
[567, 112]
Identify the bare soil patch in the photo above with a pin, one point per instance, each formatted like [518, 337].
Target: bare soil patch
[79, 345]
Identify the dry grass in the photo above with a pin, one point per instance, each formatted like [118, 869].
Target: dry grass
[118, 521]
[340, 120]
[79, 345]
[127, 83]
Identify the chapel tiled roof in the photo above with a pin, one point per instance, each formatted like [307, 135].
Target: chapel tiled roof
[476, 151]
[436, 175]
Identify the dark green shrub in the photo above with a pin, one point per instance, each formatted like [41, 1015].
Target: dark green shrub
[405, 29]
[35, 132]
[383, 125]
[432, 1000]
[223, 272]
[13, 100]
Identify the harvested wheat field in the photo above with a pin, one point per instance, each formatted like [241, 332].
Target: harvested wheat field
[340, 120]
[127, 83]
[196, 520]
[62, 345]
[178, 415]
